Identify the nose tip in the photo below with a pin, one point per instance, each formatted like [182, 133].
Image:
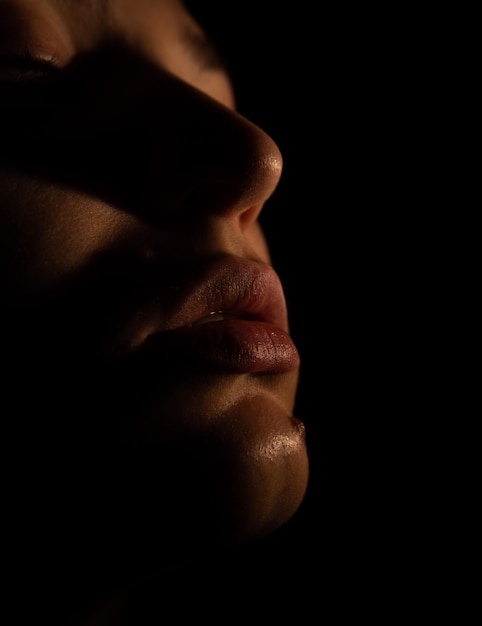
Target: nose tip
[256, 170]
[265, 171]
[231, 165]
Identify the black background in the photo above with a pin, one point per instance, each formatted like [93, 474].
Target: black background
[291, 77]
[275, 55]
[342, 92]
[279, 55]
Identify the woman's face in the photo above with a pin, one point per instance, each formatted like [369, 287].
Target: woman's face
[149, 378]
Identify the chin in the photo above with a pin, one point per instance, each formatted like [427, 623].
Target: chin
[167, 497]
[225, 465]
[232, 475]
[269, 477]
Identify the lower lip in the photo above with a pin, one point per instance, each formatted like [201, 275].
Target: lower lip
[234, 345]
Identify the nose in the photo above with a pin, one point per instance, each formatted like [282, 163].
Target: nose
[219, 162]
[178, 154]
[203, 159]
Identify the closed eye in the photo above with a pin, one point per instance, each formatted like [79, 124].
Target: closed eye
[30, 85]
[18, 67]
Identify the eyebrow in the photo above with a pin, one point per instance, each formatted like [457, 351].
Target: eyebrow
[201, 47]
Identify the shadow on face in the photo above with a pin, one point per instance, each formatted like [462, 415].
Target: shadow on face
[117, 179]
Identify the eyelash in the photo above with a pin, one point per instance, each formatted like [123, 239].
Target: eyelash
[32, 85]
[30, 64]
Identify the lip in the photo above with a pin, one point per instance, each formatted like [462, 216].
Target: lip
[235, 345]
[231, 315]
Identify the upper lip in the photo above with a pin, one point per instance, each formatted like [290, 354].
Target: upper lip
[228, 285]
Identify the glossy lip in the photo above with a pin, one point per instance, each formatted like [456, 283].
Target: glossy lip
[247, 333]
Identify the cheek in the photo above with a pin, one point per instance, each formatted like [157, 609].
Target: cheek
[46, 233]
[257, 241]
